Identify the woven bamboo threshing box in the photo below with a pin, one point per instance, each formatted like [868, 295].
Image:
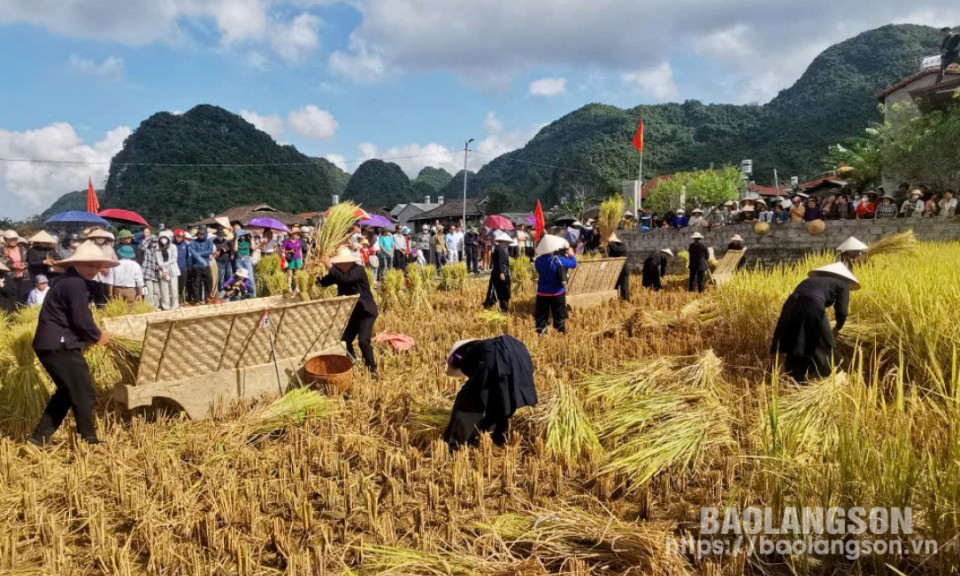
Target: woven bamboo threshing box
[593, 282]
[200, 362]
[727, 266]
[134, 327]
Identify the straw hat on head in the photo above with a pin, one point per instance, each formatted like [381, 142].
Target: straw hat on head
[837, 270]
[501, 237]
[748, 209]
[737, 238]
[851, 244]
[613, 237]
[549, 244]
[11, 235]
[667, 251]
[223, 221]
[696, 211]
[344, 255]
[451, 371]
[42, 237]
[100, 233]
[697, 236]
[888, 197]
[728, 203]
[243, 273]
[88, 253]
[916, 192]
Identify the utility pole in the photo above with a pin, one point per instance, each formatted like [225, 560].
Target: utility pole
[466, 148]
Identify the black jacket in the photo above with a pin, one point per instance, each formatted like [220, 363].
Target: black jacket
[66, 322]
[352, 282]
[803, 328]
[654, 266]
[950, 47]
[698, 257]
[500, 377]
[500, 263]
[8, 295]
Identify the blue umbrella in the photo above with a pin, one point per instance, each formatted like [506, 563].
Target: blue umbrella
[76, 217]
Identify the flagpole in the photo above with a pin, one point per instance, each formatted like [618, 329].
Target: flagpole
[639, 203]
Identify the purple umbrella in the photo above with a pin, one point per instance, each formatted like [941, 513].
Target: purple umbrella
[268, 223]
[376, 221]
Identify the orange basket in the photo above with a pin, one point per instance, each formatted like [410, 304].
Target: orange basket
[332, 372]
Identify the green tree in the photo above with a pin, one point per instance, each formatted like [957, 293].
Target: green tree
[923, 147]
[700, 188]
[861, 160]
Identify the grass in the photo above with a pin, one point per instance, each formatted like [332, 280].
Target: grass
[640, 425]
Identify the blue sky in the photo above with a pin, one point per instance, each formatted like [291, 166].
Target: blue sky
[408, 79]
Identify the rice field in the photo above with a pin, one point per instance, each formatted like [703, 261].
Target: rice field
[649, 411]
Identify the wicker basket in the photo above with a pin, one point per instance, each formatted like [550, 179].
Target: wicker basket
[333, 373]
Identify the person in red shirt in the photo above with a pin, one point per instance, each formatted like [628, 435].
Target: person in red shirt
[867, 209]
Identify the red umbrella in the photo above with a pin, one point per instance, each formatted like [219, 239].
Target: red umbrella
[497, 222]
[119, 215]
[359, 213]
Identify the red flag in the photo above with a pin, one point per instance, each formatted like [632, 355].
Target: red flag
[539, 224]
[638, 137]
[93, 204]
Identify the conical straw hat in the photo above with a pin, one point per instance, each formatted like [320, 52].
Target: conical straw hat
[667, 251]
[837, 269]
[88, 253]
[344, 254]
[451, 371]
[851, 244]
[549, 244]
[42, 237]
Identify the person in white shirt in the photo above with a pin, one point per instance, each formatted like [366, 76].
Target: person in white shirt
[913, 207]
[948, 206]
[450, 240]
[39, 292]
[127, 278]
[458, 235]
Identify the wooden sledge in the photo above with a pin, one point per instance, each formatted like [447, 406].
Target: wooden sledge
[727, 266]
[201, 360]
[593, 282]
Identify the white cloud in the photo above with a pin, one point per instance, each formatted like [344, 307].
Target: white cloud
[312, 122]
[487, 41]
[337, 160]
[548, 87]
[358, 64]
[656, 82]
[295, 40]
[110, 69]
[413, 157]
[30, 187]
[239, 24]
[272, 124]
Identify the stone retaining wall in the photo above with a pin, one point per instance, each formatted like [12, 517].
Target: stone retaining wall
[786, 242]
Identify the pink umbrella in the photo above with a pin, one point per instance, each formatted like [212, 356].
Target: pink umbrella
[497, 222]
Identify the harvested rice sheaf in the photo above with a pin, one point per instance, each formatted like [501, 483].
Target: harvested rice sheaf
[24, 385]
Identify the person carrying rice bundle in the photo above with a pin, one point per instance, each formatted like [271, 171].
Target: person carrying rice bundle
[655, 268]
[803, 333]
[346, 272]
[617, 249]
[66, 326]
[851, 251]
[499, 375]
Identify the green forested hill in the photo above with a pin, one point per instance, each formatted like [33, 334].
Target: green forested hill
[377, 184]
[70, 201]
[832, 101]
[145, 176]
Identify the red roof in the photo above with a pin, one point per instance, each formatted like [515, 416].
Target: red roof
[905, 82]
[768, 190]
[831, 181]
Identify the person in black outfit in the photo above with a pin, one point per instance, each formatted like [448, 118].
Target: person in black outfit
[471, 244]
[803, 331]
[499, 375]
[8, 294]
[499, 288]
[949, 51]
[655, 268]
[350, 278]
[617, 249]
[65, 328]
[41, 254]
[698, 263]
